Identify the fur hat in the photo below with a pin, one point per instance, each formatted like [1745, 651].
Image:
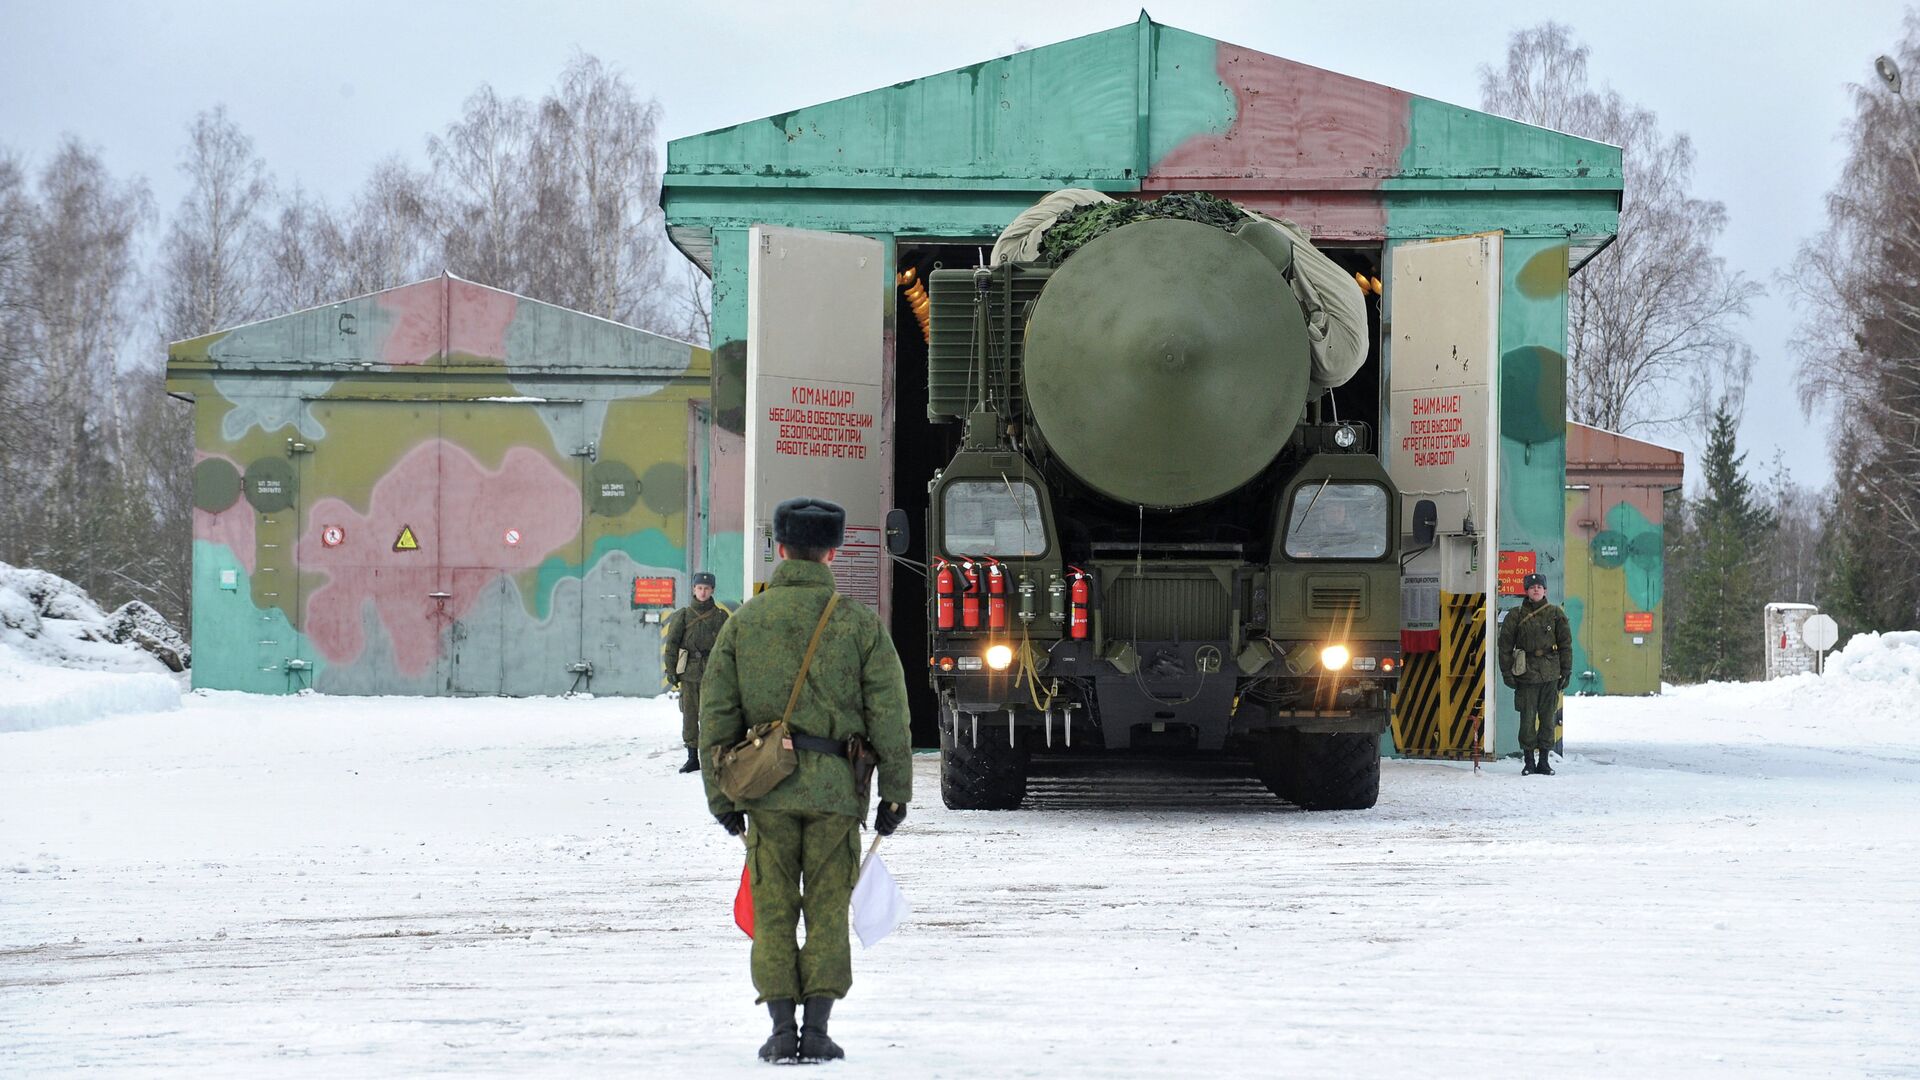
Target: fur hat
[815, 524]
[1532, 580]
[703, 578]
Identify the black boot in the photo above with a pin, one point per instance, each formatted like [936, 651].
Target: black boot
[1527, 769]
[693, 761]
[814, 1044]
[784, 1043]
[1543, 769]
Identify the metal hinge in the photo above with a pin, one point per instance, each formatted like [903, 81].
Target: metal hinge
[296, 664]
[296, 447]
[580, 667]
[590, 451]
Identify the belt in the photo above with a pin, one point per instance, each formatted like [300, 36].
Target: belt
[817, 744]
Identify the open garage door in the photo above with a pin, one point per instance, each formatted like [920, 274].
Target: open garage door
[1443, 355]
[818, 422]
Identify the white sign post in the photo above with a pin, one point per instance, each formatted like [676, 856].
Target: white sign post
[1820, 633]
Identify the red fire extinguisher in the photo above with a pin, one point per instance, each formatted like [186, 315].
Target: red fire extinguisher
[996, 595]
[1078, 596]
[970, 596]
[944, 583]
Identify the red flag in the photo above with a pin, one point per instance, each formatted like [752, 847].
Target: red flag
[743, 901]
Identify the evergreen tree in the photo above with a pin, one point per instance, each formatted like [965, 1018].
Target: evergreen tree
[1864, 582]
[1719, 633]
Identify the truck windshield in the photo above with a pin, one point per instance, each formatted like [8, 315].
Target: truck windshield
[992, 517]
[1337, 521]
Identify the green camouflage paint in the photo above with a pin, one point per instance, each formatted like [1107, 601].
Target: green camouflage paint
[401, 490]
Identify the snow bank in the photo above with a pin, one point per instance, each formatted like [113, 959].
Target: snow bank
[1892, 657]
[64, 661]
[1865, 695]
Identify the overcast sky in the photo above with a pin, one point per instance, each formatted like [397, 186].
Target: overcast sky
[328, 89]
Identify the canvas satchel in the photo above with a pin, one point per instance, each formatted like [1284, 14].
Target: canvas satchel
[1519, 654]
[756, 764]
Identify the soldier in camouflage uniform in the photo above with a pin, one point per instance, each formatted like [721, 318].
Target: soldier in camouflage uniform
[684, 646]
[1538, 631]
[803, 847]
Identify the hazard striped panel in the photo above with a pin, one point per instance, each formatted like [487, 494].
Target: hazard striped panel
[1437, 708]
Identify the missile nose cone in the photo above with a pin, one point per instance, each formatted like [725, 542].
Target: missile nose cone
[1166, 363]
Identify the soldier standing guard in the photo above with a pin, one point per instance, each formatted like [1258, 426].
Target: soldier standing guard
[803, 845]
[1536, 661]
[684, 646]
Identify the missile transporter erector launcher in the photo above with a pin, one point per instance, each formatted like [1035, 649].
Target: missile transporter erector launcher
[1150, 538]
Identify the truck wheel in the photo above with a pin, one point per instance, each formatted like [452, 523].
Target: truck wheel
[1275, 757]
[990, 776]
[1336, 772]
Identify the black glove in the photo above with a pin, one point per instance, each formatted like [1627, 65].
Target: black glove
[1512, 683]
[888, 817]
[1564, 680]
[733, 821]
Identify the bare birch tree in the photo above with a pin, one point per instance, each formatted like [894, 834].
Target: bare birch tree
[301, 256]
[1652, 321]
[210, 262]
[482, 197]
[1858, 284]
[386, 234]
[15, 214]
[595, 177]
[71, 301]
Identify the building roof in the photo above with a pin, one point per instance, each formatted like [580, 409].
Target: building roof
[1594, 453]
[1143, 108]
[445, 323]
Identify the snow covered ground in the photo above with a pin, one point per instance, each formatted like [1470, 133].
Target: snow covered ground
[1724, 880]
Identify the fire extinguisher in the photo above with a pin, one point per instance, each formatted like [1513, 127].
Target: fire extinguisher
[996, 595]
[1078, 596]
[944, 583]
[969, 595]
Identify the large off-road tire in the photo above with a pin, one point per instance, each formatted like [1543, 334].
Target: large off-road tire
[990, 776]
[1337, 772]
[1321, 772]
[1274, 757]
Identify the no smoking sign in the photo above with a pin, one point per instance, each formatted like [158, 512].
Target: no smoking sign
[332, 536]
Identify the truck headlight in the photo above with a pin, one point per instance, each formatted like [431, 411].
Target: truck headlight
[998, 657]
[1334, 657]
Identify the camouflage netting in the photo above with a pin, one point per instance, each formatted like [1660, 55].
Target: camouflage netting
[1335, 309]
[1073, 229]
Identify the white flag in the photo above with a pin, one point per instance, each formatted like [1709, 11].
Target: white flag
[878, 903]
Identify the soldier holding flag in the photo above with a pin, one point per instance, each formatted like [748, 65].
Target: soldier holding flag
[803, 835]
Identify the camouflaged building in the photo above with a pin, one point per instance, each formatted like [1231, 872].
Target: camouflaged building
[441, 488]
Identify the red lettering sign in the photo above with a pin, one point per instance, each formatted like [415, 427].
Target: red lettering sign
[1514, 568]
[1435, 441]
[653, 592]
[1639, 622]
[821, 423]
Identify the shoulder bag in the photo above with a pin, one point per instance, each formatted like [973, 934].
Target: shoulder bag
[756, 764]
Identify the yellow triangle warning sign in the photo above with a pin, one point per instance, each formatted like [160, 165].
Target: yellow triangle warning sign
[405, 541]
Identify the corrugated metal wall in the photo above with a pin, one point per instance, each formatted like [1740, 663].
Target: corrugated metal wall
[440, 488]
